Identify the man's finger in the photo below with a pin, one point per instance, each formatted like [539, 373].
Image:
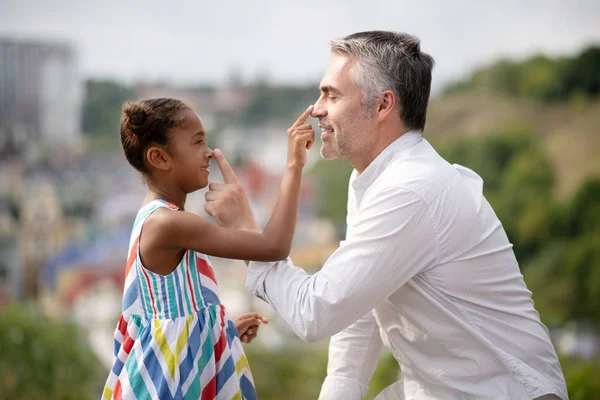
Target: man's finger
[226, 170]
[303, 117]
[217, 186]
[211, 196]
[210, 209]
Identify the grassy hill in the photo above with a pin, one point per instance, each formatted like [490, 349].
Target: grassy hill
[569, 132]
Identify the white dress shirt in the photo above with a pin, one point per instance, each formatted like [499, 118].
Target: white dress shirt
[426, 270]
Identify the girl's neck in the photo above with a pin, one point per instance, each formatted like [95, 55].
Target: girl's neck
[171, 195]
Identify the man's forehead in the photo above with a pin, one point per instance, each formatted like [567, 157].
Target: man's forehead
[339, 64]
[338, 71]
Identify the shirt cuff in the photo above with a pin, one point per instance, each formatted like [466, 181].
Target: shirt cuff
[255, 278]
[337, 387]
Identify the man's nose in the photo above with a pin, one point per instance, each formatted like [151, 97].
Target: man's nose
[319, 109]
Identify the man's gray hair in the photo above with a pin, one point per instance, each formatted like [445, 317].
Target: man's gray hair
[390, 61]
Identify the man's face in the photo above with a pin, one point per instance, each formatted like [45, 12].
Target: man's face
[346, 132]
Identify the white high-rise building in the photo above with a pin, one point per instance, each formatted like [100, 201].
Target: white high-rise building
[40, 94]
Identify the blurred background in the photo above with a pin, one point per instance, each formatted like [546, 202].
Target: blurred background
[516, 97]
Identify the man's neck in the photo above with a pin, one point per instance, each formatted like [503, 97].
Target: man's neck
[362, 161]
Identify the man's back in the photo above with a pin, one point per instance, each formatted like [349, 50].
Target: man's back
[465, 327]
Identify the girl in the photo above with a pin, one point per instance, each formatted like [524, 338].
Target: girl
[174, 339]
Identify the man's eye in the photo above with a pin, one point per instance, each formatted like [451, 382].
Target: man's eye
[199, 141]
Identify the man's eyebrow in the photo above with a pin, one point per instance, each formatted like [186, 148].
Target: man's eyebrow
[328, 89]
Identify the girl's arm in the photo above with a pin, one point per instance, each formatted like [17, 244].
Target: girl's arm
[184, 230]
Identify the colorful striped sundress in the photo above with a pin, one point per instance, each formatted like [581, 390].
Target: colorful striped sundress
[174, 339]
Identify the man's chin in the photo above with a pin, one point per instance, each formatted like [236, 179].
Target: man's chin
[329, 153]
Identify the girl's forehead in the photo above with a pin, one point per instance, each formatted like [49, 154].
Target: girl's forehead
[190, 119]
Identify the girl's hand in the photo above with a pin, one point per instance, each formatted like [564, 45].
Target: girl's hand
[248, 324]
[301, 137]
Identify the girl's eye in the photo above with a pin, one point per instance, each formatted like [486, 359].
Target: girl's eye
[199, 141]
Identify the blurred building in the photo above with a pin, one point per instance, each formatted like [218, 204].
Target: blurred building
[221, 102]
[40, 95]
[41, 235]
[9, 259]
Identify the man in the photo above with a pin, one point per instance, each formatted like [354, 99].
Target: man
[426, 268]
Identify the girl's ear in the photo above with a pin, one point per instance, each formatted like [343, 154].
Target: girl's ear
[159, 158]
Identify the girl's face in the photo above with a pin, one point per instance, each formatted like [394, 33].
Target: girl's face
[190, 154]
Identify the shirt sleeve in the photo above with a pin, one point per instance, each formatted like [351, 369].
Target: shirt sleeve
[353, 356]
[390, 240]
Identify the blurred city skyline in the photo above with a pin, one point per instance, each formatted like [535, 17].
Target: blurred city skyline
[194, 43]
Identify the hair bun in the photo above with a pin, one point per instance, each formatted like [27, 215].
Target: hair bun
[140, 118]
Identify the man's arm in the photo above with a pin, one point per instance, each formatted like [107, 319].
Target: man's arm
[354, 351]
[353, 355]
[391, 240]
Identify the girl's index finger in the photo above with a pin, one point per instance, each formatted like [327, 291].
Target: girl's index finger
[303, 117]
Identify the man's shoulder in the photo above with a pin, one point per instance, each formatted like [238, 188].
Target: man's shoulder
[420, 173]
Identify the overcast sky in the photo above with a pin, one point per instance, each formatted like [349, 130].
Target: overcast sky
[203, 41]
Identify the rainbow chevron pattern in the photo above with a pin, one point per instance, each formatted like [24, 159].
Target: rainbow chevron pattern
[174, 339]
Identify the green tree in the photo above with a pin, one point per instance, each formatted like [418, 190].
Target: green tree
[524, 201]
[581, 377]
[489, 154]
[44, 359]
[551, 283]
[102, 109]
[583, 72]
[293, 373]
[584, 213]
[518, 181]
[298, 370]
[279, 104]
[539, 77]
[332, 177]
[564, 274]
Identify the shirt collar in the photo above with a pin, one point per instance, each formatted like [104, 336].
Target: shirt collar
[380, 163]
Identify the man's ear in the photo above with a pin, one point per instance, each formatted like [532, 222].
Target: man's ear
[385, 105]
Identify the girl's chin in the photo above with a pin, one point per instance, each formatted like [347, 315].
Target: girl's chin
[195, 188]
[203, 185]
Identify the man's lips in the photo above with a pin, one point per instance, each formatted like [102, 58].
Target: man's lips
[325, 131]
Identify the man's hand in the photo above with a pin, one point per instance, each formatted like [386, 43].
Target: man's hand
[248, 324]
[227, 202]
